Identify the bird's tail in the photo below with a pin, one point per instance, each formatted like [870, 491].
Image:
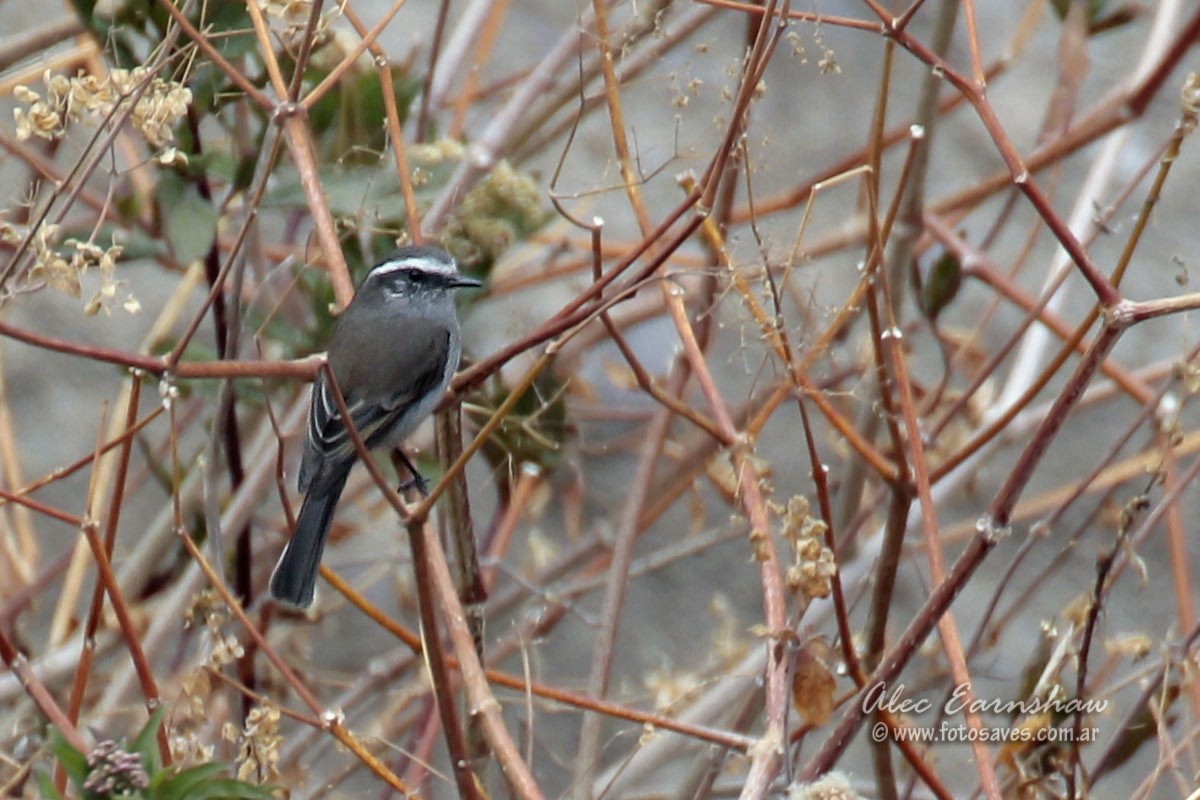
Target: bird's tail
[295, 576]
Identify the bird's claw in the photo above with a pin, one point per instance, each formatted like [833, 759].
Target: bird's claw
[418, 482]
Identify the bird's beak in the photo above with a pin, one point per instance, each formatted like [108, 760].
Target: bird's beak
[461, 281]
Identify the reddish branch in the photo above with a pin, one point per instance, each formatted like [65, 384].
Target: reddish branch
[301, 369]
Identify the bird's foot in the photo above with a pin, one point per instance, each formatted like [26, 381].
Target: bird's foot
[418, 482]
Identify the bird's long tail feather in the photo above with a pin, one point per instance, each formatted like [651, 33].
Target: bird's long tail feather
[295, 578]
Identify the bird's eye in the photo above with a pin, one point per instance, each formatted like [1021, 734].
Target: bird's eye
[395, 285]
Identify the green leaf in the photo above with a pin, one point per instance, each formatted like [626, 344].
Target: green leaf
[229, 27]
[230, 789]
[189, 221]
[73, 762]
[216, 165]
[351, 119]
[46, 786]
[146, 742]
[177, 785]
[941, 285]
[212, 91]
[85, 9]
[243, 173]
[348, 190]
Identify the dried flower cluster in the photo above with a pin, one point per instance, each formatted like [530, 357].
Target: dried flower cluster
[290, 19]
[502, 208]
[1131, 645]
[87, 97]
[333, 46]
[1189, 373]
[207, 609]
[813, 567]
[191, 714]
[226, 650]
[436, 152]
[669, 685]
[193, 709]
[63, 268]
[113, 772]
[831, 786]
[814, 687]
[427, 157]
[258, 745]
[289, 12]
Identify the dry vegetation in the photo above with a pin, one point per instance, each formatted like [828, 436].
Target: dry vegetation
[832, 383]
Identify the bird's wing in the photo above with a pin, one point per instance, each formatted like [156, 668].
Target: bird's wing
[375, 408]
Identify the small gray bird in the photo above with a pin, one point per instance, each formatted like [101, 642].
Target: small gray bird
[393, 352]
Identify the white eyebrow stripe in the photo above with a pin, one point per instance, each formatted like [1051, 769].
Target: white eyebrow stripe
[423, 264]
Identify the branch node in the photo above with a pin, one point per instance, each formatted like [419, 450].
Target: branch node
[991, 530]
[1121, 314]
[285, 110]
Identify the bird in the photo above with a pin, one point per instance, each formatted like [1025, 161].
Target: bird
[392, 353]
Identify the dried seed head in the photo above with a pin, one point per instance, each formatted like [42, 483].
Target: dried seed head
[258, 746]
[813, 564]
